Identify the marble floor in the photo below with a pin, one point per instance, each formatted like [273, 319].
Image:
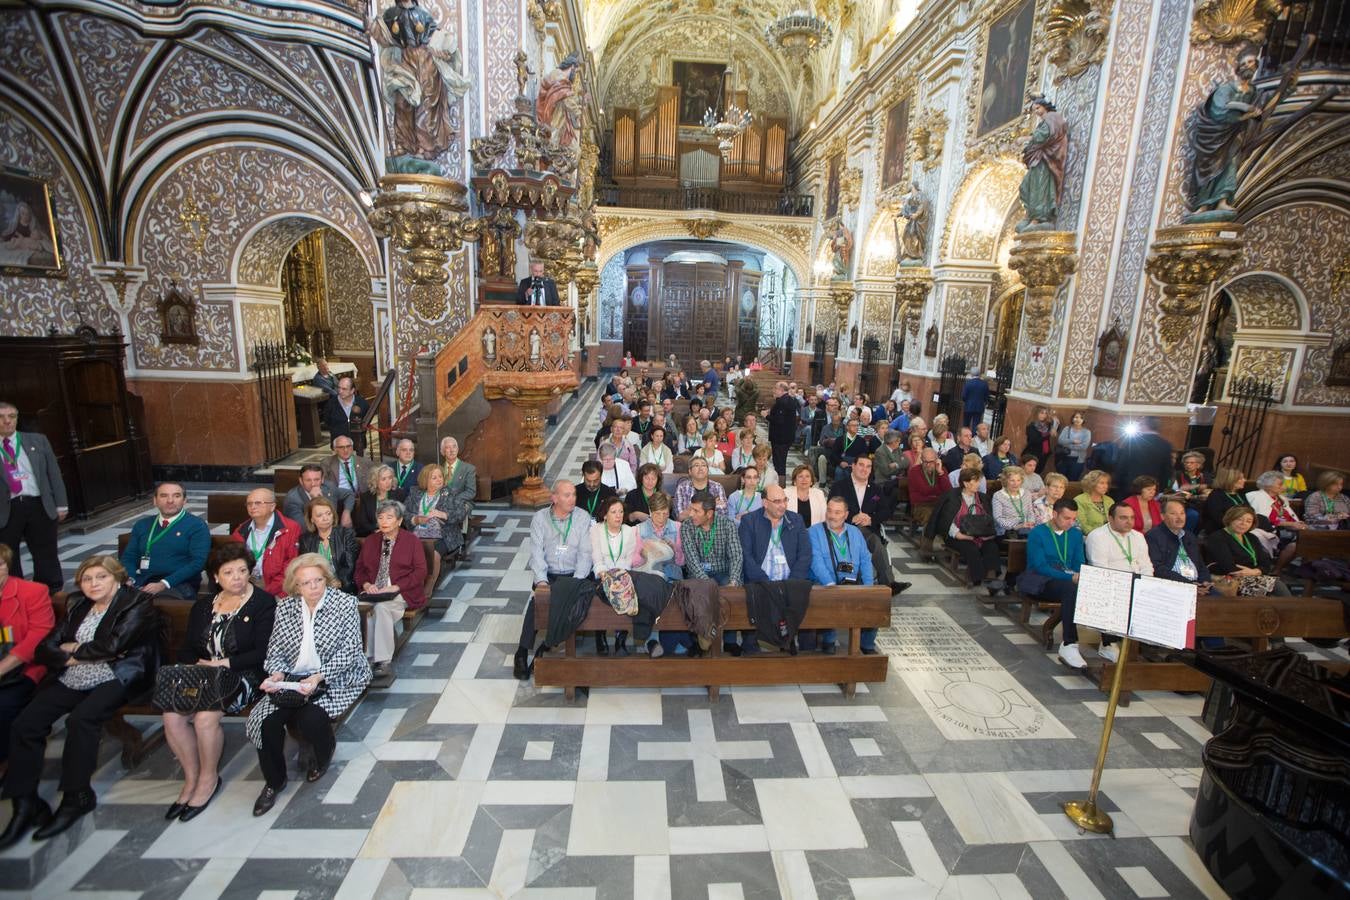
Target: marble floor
[459, 781]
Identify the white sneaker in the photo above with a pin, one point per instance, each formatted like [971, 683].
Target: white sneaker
[1069, 655]
[1109, 652]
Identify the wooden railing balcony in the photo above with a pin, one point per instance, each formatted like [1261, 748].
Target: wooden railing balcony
[714, 199]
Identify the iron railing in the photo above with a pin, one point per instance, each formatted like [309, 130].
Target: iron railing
[1003, 378]
[274, 398]
[818, 359]
[1326, 21]
[868, 380]
[710, 198]
[1249, 399]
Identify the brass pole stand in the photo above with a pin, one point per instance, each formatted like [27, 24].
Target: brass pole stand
[1084, 813]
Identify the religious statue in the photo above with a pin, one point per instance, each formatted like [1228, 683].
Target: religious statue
[913, 241]
[490, 344]
[419, 65]
[841, 249]
[535, 346]
[1214, 136]
[1044, 155]
[552, 107]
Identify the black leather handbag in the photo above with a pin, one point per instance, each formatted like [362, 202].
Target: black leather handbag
[288, 699]
[194, 688]
[977, 525]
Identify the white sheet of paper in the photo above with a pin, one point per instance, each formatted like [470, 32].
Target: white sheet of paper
[1164, 613]
[1103, 599]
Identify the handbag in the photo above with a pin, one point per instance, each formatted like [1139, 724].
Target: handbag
[289, 699]
[1031, 582]
[977, 524]
[619, 591]
[194, 688]
[1255, 585]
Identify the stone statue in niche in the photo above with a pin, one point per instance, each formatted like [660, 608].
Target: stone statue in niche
[177, 317]
[536, 347]
[490, 344]
[853, 338]
[420, 77]
[913, 243]
[841, 249]
[555, 106]
[1214, 133]
[1042, 186]
[930, 341]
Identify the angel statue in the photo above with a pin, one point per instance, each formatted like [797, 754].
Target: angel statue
[420, 69]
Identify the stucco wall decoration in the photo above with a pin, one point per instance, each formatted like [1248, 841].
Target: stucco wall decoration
[27, 61]
[106, 56]
[348, 282]
[1265, 363]
[1264, 301]
[963, 309]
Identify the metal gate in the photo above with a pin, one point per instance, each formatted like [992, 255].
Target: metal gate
[867, 381]
[1003, 376]
[1249, 399]
[953, 376]
[272, 369]
[818, 359]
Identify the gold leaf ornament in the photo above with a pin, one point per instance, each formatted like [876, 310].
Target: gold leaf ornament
[1232, 21]
[1076, 33]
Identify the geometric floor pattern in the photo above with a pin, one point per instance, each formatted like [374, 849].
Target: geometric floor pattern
[944, 781]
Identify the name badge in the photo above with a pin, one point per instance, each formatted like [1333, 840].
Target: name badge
[708, 567]
[145, 564]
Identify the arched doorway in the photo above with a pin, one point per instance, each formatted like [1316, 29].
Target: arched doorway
[695, 299]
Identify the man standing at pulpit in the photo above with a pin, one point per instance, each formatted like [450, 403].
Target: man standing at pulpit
[538, 289]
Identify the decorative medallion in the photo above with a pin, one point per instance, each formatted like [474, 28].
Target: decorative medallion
[177, 317]
[1231, 21]
[1076, 32]
[704, 227]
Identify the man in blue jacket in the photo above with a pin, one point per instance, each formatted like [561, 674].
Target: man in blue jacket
[839, 555]
[774, 547]
[167, 551]
[974, 398]
[1054, 556]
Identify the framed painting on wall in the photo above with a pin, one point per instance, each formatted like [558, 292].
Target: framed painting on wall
[28, 241]
[836, 162]
[700, 85]
[1006, 59]
[893, 156]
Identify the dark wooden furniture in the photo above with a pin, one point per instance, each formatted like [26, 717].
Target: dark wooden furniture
[307, 420]
[1272, 812]
[845, 608]
[1314, 545]
[73, 390]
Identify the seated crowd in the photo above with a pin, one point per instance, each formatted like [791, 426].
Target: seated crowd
[274, 623]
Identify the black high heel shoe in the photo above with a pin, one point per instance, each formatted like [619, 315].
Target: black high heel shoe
[191, 812]
[174, 811]
[601, 644]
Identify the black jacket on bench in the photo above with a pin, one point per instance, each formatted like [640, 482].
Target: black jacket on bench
[245, 640]
[130, 637]
[769, 602]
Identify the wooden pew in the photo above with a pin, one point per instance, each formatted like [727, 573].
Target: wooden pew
[284, 478]
[845, 608]
[1256, 619]
[1314, 545]
[226, 509]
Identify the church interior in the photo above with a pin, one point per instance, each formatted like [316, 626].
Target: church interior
[430, 258]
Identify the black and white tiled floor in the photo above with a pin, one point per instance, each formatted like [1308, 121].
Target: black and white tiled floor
[944, 781]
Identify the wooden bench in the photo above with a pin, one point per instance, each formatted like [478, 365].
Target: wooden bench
[1256, 619]
[1314, 545]
[226, 509]
[844, 608]
[284, 478]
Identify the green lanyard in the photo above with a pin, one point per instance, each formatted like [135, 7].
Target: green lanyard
[351, 473]
[840, 542]
[561, 532]
[428, 501]
[325, 549]
[707, 542]
[931, 479]
[256, 549]
[590, 504]
[12, 458]
[609, 546]
[407, 470]
[1241, 541]
[776, 536]
[156, 532]
[848, 442]
[1237, 500]
[742, 504]
[1062, 551]
[1018, 505]
[1124, 548]
[450, 472]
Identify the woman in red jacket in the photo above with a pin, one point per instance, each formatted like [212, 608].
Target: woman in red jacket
[1144, 502]
[25, 619]
[392, 565]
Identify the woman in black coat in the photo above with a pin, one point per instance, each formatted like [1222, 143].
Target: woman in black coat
[228, 630]
[103, 651]
[1233, 551]
[1227, 494]
[382, 485]
[335, 543]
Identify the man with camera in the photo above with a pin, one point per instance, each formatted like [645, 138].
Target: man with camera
[839, 555]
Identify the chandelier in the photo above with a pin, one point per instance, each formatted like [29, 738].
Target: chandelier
[726, 127]
[798, 33]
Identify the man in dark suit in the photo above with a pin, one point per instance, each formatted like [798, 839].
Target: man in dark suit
[312, 484]
[406, 467]
[783, 418]
[34, 499]
[1144, 453]
[974, 398]
[167, 551]
[345, 412]
[538, 289]
[865, 503]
